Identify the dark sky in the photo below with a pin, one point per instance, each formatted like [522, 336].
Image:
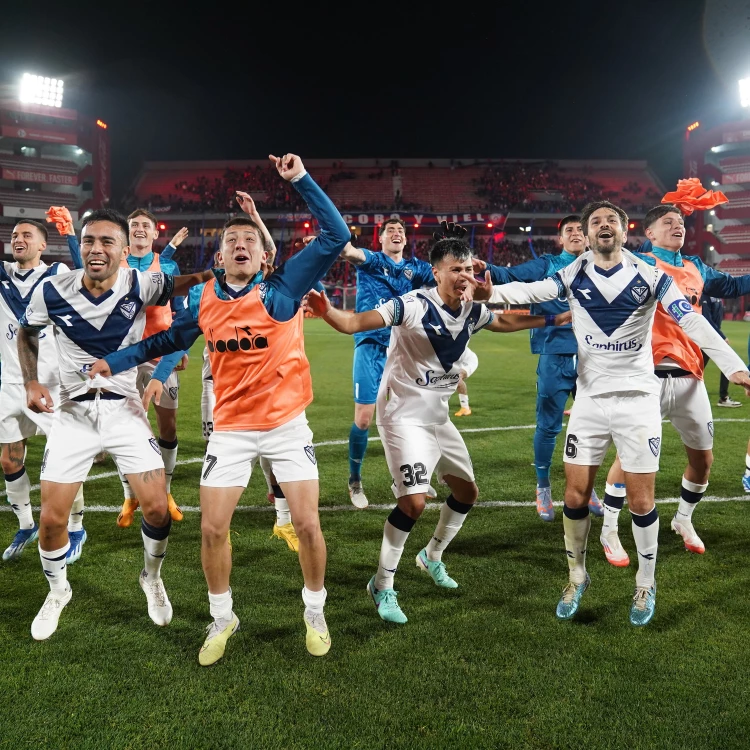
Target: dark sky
[527, 79]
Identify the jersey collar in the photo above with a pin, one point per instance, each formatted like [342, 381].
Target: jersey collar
[568, 257]
[141, 264]
[225, 293]
[667, 256]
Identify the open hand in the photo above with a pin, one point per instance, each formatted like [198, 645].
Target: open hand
[318, 303]
[179, 237]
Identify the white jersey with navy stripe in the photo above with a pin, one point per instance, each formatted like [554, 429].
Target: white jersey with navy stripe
[422, 370]
[16, 288]
[613, 311]
[87, 328]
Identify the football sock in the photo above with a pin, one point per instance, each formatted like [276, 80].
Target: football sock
[75, 519]
[283, 516]
[463, 399]
[646, 535]
[126, 490]
[169, 456]
[395, 533]
[544, 447]
[220, 605]
[18, 489]
[452, 516]
[154, 546]
[747, 464]
[314, 600]
[614, 499]
[54, 567]
[576, 523]
[690, 495]
[357, 450]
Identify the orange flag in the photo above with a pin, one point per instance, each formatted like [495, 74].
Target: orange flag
[61, 218]
[691, 196]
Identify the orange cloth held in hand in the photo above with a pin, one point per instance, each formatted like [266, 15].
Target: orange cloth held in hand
[691, 195]
[61, 218]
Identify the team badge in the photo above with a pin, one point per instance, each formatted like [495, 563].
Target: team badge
[653, 443]
[128, 310]
[310, 451]
[154, 445]
[173, 393]
[408, 273]
[711, 429]
[640, 293]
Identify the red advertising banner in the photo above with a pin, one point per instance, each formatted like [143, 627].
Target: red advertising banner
[100, 159]
[34, 133]
[735, 179]
[410, 218]
[35, 175]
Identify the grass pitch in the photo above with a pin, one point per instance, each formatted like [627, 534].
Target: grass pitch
[486, 665]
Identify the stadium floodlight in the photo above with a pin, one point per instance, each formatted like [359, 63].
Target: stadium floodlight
[42, 90]
[745, 92]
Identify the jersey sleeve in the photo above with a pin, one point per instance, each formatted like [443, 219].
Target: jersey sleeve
[518, 293]
[423, 276]
[719, 284]
[399, 311]
[36, 315]
[371, 260]
[486, 316]
[156, 288]
[75, 251]
[532, 270]
[167, 253]
[662, 285]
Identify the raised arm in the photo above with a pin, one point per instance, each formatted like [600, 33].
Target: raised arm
[343, 321]
[296, 277]
[247, 204]
[512, 322]
[174, 243]
[532, 270]
[518, 293]
[354, 255]
[719, 284]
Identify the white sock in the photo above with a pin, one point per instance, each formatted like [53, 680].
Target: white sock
[646, 535]
[154, 547]
[75, 519]
[220, 605]
[395, 533]
[463, 399]
[747, 464]
[18, 487]
[614, 497]
[576, 539]
[314, 600]
[452, 517]
[126, 489]
[169, 456]
[54, 567]
[283, 516]
[690, 496]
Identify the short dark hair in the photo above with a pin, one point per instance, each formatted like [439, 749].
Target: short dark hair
[655, 213]
[34, 223]
[590, 208]
[107, 214]
[449, 246]
[391, 221]
[143, 212]
[569, 219]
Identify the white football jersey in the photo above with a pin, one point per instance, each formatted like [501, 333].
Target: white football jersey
[16, 288]
[87, 328]
[613, 311]
[422, 370]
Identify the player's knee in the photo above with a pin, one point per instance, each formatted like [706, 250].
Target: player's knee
[155, 514]
[363, 421]
[307, 528]
[467, 494]
[412, 505]
[577, 498]
[701, 463]
[213, 530]
[10, 466]
[53, 520]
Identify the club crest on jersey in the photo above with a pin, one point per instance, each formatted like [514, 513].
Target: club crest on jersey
[310, 451]
[409, 273]
[639, 293]
[653, 443]
[173, 392]
[128, 309]
[152, 442]
[711, 429]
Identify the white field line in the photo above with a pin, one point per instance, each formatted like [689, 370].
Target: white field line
[499, 503]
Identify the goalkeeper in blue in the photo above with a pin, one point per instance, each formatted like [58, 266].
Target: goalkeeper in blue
[558, 356]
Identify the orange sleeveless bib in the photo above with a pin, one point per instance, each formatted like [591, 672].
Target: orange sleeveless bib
[261, 374]
[668, 339]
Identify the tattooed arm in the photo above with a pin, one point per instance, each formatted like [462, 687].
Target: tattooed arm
[38, 398]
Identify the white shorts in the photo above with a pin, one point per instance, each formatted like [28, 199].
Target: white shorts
[17, 422]
[82, 429]
[468, 362]
[208, 403]
[632, 420]
[684, 402]
[414, 452]
[231, 456]
[170, 389]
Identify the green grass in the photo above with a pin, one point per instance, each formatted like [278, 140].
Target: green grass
[486, 665]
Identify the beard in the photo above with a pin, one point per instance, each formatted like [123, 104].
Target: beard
[606, 247]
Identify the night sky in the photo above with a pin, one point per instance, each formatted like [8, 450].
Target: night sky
[575, 80]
